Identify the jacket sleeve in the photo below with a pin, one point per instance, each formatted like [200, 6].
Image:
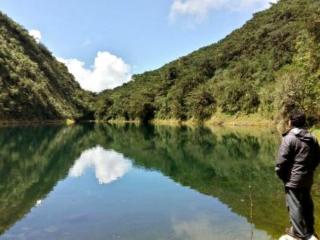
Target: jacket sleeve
[284, 159]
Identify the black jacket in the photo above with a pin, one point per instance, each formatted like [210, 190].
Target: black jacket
[298, 157]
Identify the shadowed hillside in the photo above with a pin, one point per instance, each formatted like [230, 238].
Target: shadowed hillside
[34, 85]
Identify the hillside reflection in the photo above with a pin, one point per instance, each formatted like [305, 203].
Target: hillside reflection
[232, 165]
[33, 160]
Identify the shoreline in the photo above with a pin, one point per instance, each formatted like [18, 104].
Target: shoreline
[223, 120]
[15, 123]
[220, 120]
[236, 122]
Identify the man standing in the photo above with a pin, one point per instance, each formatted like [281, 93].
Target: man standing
[299, 155]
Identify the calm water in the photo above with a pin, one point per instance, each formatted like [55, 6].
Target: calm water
[128, 182]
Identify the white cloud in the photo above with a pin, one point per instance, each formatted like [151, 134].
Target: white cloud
[108, 71]
[108, 165]
[36, 34]
[200, 8]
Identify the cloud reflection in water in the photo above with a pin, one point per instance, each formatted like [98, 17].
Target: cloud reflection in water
[108, 165]
[214, 227]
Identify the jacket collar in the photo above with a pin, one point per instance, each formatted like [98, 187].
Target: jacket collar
[293, 130]
[286, 132]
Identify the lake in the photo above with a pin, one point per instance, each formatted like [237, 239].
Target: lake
[133, 182]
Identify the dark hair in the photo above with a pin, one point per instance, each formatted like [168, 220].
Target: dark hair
[297, 118]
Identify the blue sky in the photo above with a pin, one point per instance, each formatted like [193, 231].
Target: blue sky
[135, 35]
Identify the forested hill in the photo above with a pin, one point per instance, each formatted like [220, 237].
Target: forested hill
[34, 86]
[268, 66]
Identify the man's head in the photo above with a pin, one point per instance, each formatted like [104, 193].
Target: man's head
[297, 119]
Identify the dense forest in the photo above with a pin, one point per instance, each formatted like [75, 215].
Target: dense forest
[34, 86]
[268, 67]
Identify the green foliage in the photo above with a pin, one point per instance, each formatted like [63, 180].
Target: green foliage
[268, 66]
[201, 104]
[34, 85]
[298, 83]
[237, 97]
[255, 69]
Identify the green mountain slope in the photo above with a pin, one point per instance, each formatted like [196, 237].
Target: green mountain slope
[34, 86]
[268, 66]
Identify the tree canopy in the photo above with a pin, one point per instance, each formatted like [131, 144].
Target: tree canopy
[268, 66]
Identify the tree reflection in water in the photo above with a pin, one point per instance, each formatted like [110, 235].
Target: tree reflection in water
[234, 165]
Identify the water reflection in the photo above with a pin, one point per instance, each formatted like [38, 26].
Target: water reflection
[32, 161]
[108, 165]
[234, 166]
[202, 228]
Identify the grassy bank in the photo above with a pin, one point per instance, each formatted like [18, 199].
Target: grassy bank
[218, 119]
[240, 120]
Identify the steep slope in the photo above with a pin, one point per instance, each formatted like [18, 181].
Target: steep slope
[34, 85]
[270, 65]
